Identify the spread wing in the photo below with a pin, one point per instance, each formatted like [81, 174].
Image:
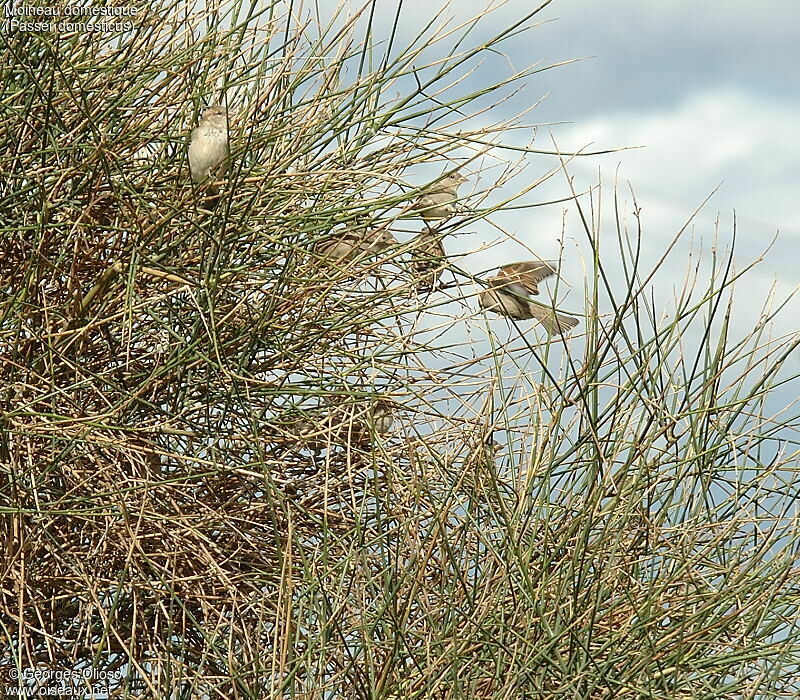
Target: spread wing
[528, 274]
[521, 280]
[506, 284]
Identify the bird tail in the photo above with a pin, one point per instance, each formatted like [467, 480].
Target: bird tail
[554, 323]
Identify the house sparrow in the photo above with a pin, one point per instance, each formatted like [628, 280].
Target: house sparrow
[486, 450]
[346, 245]
[209, 143]
[382, 416]
[358, 423]
[428, 259]
[355, 423]
[439, 200]
[509, 291]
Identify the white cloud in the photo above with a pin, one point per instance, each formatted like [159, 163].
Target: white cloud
[722, 135]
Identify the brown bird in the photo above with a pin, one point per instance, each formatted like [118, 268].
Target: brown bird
[359, 422]
[428, 259]
[346, 245]
[509, 293]
[487, 450]
[209, 144]
[381, 417]
[355, 423]
[439, 199]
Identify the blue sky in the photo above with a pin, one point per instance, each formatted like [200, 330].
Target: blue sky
[707, 90]
[711, 92]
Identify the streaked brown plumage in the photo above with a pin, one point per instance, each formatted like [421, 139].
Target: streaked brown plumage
[428, 259]
[439, 199]
[509, 291]
[209, 143]
[346, 245]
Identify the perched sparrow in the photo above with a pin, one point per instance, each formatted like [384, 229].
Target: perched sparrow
[209, 144]
[509, 293]
[347, 245]
[428, 259]
[439, 201]
[486, 451]
[355, 423]
[382, 416]
[360, 422]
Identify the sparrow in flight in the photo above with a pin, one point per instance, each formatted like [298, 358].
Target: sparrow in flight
[509, 293]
